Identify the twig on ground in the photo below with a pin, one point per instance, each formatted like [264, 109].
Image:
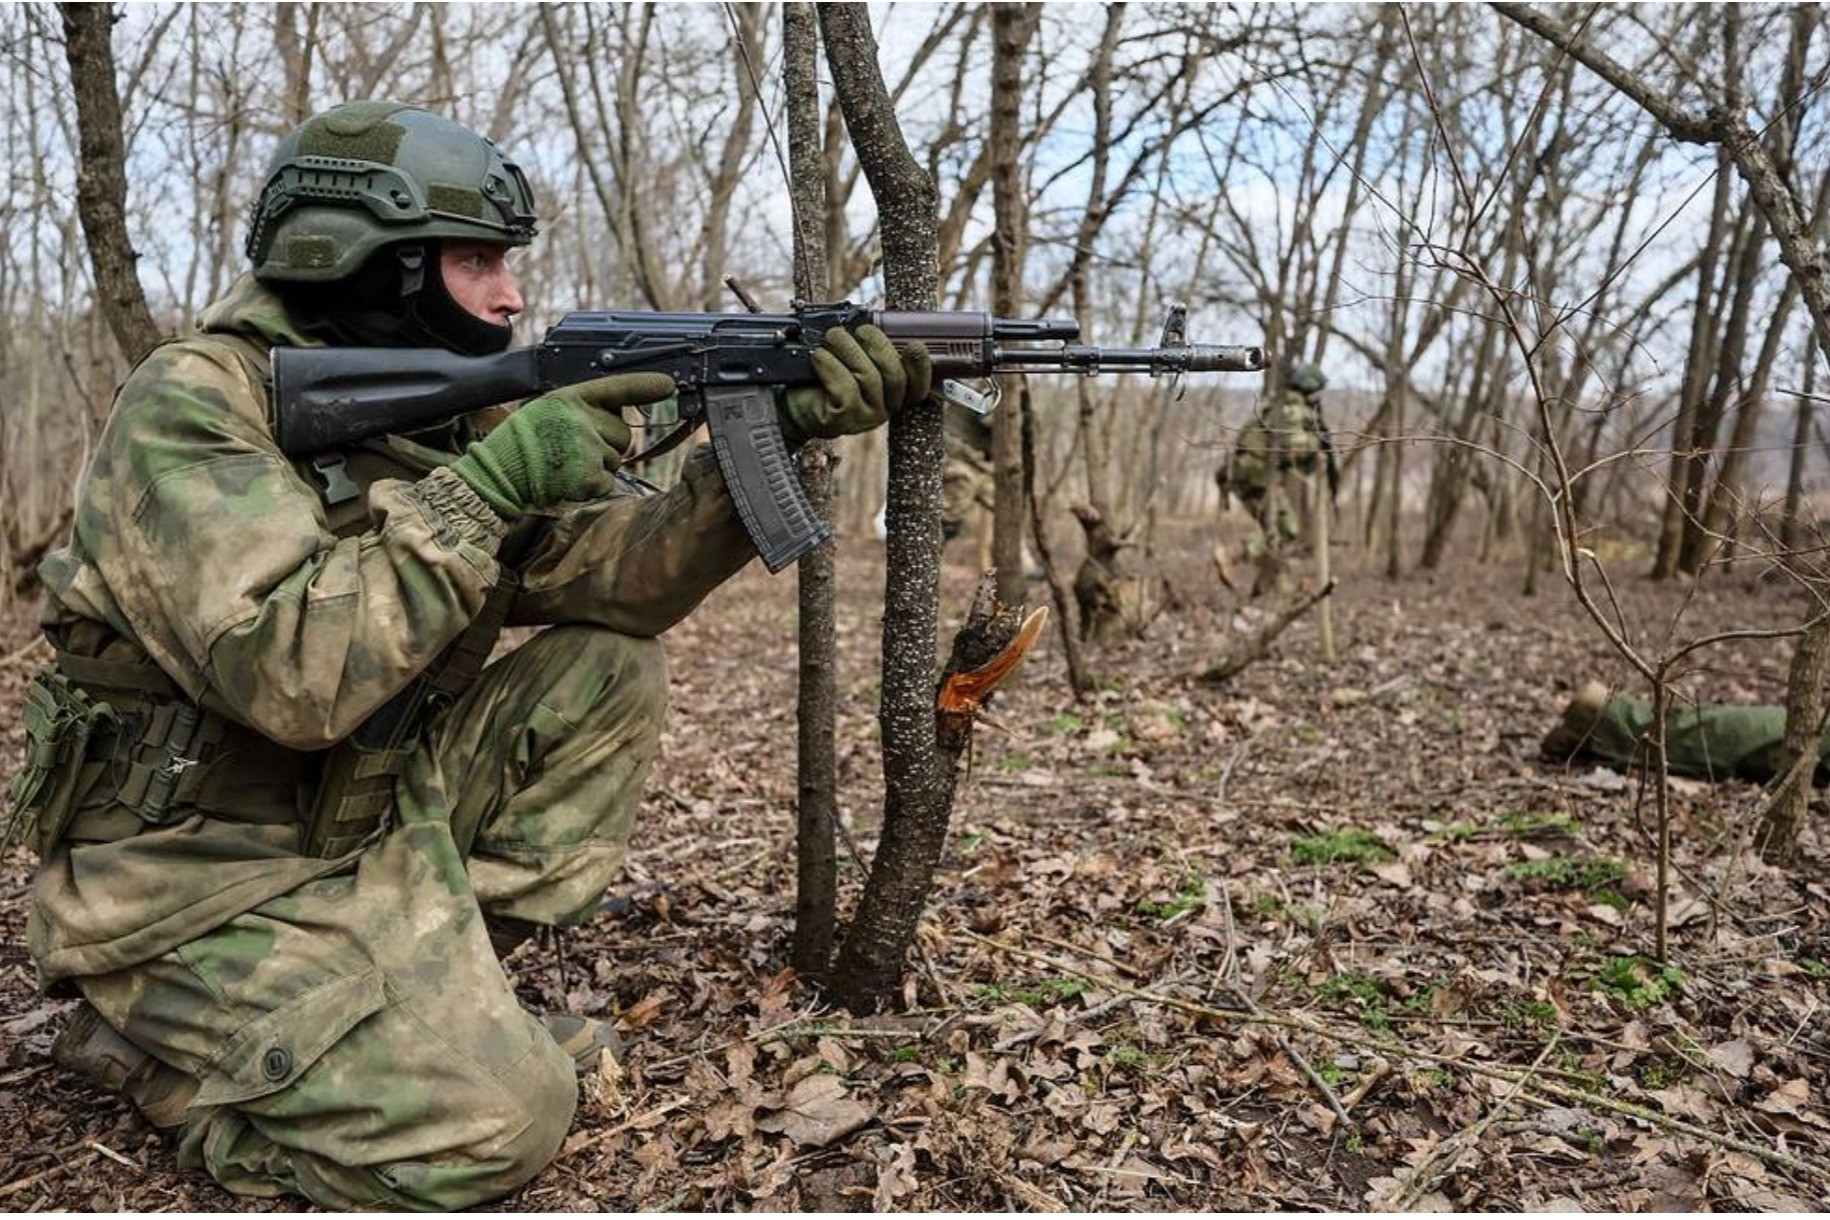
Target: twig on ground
[1258, 644]
[742, 866]
[1226, 772]
[1771, 1156]
[647, 1116]
[12, 1188]
[1083, 951]
[1443, 1157]
[111, 1154]
[1236, 985]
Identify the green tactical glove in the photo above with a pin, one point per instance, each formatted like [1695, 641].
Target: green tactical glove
[566, 445]
[863, 381]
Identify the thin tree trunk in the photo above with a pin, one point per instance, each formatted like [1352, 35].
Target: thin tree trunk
[1079, 680]
[1011, 28]
[1093, 448]
[1696, 372]
[101, 179]
[816, 891]
[1777, 837]
[918, 775]
[1727, 369]
[1789, 532]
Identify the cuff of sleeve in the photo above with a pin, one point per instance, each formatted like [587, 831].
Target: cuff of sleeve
[457, 507]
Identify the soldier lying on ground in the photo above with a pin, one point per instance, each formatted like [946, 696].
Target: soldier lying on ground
[1706, 741]
[285, 931]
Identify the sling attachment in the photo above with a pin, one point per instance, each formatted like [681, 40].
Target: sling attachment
[355, 792]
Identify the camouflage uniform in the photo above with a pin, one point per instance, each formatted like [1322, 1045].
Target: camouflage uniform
[355, 1038]
[966, 480]
[1703, 741]
[1290, 436]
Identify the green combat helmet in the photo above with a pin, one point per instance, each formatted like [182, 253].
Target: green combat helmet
[1305, 378]
[365, 175]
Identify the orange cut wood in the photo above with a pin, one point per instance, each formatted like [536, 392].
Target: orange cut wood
[961, 693]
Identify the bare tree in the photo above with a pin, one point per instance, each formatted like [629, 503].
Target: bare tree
[1012, 26]
[919, 767]
[816, 892]
[101, 183]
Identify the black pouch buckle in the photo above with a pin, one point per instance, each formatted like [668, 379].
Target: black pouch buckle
[160, 764]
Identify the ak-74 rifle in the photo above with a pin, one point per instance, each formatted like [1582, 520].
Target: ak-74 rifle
[727, 367]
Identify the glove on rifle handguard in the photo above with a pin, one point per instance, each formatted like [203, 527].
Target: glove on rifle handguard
[562, 446]
[863, 381]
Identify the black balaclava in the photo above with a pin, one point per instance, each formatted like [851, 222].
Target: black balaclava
[397, 299]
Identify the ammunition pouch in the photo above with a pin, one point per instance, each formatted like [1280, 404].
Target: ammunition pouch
[60, 720]
[115, 747]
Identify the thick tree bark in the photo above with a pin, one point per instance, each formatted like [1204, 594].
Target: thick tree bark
[1777, 836]
[816, 891]
[1011, 28]
[918, 775]
[101, 178]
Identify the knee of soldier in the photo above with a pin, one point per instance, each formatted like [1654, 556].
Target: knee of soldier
[597, 673]
[503, 1159]
[547, 1084]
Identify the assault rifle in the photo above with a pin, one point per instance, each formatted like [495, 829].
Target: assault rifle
[726, 365]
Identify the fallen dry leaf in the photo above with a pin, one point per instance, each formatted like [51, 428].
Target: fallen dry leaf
[816, 1112]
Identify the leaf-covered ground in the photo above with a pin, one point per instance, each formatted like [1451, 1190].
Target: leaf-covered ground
[1324, 937]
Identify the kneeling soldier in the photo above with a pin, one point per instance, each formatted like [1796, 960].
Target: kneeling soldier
[288, 816]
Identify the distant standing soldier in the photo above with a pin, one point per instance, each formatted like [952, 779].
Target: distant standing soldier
[1288, 438]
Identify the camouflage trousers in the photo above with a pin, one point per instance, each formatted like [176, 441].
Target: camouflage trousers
[1709, 741]
[965, 484]
[357, 1041]
[1283, 510]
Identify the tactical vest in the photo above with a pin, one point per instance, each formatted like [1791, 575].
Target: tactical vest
[114, 746]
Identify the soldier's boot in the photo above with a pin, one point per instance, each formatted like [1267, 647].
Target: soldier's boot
[90, 1046]
[583, 1038]
[1580, 716]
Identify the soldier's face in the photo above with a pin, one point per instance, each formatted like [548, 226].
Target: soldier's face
[478, 277]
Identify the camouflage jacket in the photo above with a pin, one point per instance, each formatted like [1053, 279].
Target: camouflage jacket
[199, 545]
[1290, 434]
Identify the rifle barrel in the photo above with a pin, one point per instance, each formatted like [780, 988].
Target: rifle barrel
[1157, 361]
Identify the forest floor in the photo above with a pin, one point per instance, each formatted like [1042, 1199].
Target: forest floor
[1324, 937]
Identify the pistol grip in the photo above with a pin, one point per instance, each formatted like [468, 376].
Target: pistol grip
[760, 474]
